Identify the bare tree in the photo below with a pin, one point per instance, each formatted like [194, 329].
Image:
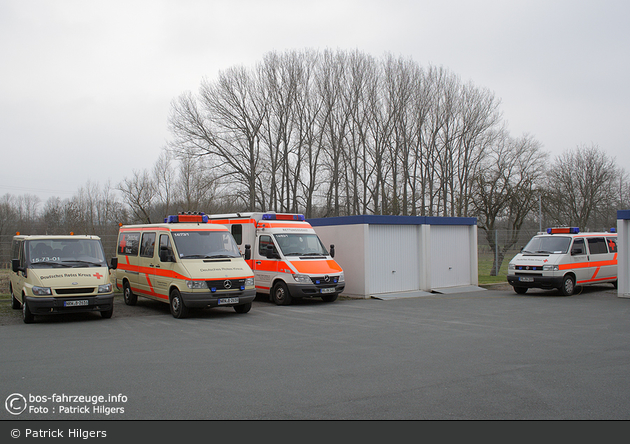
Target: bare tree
[582, 186]
[139, 194]
[505, 189]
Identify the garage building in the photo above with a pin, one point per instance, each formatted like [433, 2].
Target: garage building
[403, 256]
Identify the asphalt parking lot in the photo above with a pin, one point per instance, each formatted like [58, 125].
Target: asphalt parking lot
[486, 355]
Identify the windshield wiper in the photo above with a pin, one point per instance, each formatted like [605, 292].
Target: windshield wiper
[88, 263]
[215, 256]
[312, 254]
[56, 264]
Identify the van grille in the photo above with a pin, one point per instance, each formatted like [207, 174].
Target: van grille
[529, 267]
[66, 291]
[222, 284]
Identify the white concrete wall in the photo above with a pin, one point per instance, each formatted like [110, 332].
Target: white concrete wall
[623, 258]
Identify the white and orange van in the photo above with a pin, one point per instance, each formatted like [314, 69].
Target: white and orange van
[288, 258]
[564, 258]
[185, 262]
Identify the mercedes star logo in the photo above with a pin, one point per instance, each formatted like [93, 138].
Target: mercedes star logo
[227, 283]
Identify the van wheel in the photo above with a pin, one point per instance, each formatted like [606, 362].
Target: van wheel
[243, 308]
[280, 294]
[15, 304]
[568, 286]
[106, 314]
[614, 284]
[520, 290]
[178, 309]
[330, 297]
[27, 315]
[128, 295]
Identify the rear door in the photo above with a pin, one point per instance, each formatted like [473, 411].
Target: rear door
[128, 248]
[146, 263]
[600, 259]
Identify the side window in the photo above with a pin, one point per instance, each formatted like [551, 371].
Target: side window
[128, 243]
[578, 247]
[597, 245]
[17, 251]
[612, 244]
[166, 252]
[264, 241]
[237, 233]
[148, 244]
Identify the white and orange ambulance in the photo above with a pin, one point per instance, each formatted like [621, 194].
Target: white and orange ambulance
[564, 258]
[288, 258]
[185, 262]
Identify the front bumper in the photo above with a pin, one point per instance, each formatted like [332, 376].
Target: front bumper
[56, 305]
[311, 290]
[546, 282]
[208, 299]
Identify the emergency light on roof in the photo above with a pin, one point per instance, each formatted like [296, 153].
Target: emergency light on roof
[186, 218]
[563, 230]
[272, 216]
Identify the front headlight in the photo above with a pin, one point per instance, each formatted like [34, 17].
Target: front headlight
[302, 278]
[196, 285]
[550, 268]
[42, 291]
[511, 267]
[249, 282]
[341, 278]
[105, 288]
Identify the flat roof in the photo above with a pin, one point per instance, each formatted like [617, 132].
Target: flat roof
[623, 214]
[372, 219]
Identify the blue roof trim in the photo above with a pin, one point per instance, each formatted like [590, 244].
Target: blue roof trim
[623, 214]
[370, 219]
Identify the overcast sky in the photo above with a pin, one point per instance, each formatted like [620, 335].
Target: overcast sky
[86, 86]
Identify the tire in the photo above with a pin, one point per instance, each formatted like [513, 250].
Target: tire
[614, 284]
[178, 309]
[106, 314]
[128, 295]
[330, 297]
[27, 316]
[280, 294]
[520, 290]
[243, 308]
[568, 285]
[15, 304]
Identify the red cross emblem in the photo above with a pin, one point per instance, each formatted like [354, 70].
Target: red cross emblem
[98, 275]
[546, 260]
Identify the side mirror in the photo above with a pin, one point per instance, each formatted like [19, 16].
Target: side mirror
[271, 252]
[576, 251]
[166, 254]
[332, 250]
[248, 252]
[114, 263]
[15, 265]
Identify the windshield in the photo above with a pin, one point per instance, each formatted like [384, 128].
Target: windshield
[205, 244]
[548, 245]
[55, 253]
[300, 245]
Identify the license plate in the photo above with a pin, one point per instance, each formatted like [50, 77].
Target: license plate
[525, 279]
[75, 303]
[327, 290]
[225, 301]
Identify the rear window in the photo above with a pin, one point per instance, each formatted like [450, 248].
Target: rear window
[128, 243]
[597, 245]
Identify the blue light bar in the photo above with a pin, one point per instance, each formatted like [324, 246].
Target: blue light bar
[613, 230]
[563, 230]
[274, 216]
